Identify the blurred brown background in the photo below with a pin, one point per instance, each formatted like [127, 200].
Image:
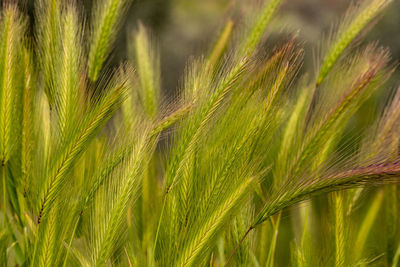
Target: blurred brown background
[186, 27]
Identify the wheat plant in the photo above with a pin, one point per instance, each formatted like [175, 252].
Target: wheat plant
[98, 169]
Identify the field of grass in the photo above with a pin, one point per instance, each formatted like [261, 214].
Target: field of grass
[258, 160]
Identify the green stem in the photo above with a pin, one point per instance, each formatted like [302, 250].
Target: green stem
[272, 248]
[3, 174]
[238, 245]
[72, 238]
[339, 229]
[396, 257]
[367, 224]
[159, 223]
[35, 249]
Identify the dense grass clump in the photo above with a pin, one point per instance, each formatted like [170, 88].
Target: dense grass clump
[85, 180]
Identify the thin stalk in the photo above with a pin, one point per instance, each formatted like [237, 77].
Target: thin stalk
[367, 224]
[238, 245]
[396, 257]
[17, 247]
[127, 256]
[159, 222]
[391, 220]
[35, 249]
[3, 175]
[71, 239]
[339, 230]
[271, 251]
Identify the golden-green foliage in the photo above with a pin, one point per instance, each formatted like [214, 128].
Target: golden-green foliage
[106, 17]
[11, 33]
[87, 180]
[148, 65]
[354, 22]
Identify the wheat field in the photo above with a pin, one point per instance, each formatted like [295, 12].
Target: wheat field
[255, 161]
